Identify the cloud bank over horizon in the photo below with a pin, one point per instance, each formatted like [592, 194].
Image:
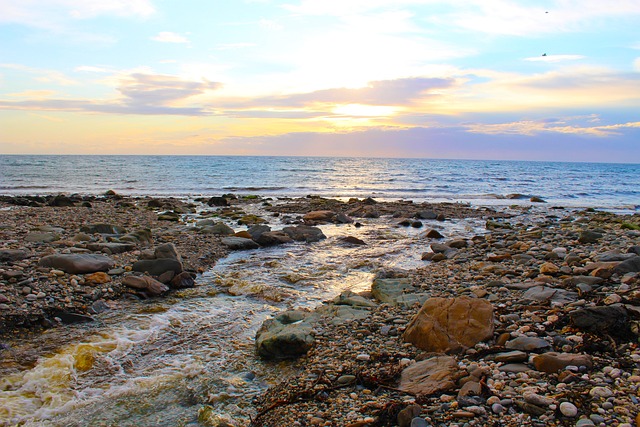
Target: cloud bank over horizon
[498, 79]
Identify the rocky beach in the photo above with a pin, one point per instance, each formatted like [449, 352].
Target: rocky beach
[529, 317]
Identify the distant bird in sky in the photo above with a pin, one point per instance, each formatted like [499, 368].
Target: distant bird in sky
[544, 54]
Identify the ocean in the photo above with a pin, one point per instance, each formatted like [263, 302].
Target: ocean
[609, 186]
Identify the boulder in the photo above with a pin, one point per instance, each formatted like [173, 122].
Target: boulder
[12, 255]
[239, 243]
[352, 240]
[606, 319]
[388, 290]
[525, 343]
[156, 267]
[141, 236]
[305, 233]
[285, 336]
[111, 247]
[145, 284]
[450, 324]
[553, 362]
[167, 250]
[182, 281]
[588, 236]
[218, 201]
[354, 300]
[61, 201]
[434, 375]
[272, 238]
[257, 230]
[433, 234]
[219, 229]
[77, 263]
[41, 237]
[427, 215]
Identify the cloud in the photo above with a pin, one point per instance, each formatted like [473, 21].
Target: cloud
[55, 14]
[42, 75]
[229, 46]
[169, 37]
[385, 92]
[636, 65]
[146, 94]
[91, 69]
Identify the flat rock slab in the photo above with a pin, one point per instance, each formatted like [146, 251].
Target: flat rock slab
[434, 375]
[388, 290]
[239, 243]
[285, 336]
[553, 362]
[156, 267]
[525, 343]
[450, 324]
[12, 255]
[112, 248]
[553, 295]
[77, 263]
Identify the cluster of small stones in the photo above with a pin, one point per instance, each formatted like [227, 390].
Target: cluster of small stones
[34, 227]
[351, 376]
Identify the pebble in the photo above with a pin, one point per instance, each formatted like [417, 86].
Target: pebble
[364, 357]
[585, 422]
[568, 409]
[602, 392]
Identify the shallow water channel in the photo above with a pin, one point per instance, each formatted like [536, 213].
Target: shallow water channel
[159, 362]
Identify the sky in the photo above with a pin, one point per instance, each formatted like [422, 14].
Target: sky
[473, 79]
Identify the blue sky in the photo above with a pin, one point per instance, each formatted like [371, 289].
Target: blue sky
[543, 80]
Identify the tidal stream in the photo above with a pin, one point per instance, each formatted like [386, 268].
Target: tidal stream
[161, 362]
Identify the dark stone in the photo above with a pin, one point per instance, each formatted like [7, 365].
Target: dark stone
[61, 201]
[427, 215]
[218, 201]
[610, 319]
[272, 238]
[12, 255]
[167, 250]
[77, 263]
[257, 230]
[353, 240]
[156, 267]
[182, 281]
[71, 318]
[416, 224]
[112, 248]
[305, 233]
[407, 415]
[588, 236]
[239, 243]
[434, 234]
[632, 265]
[98, 307]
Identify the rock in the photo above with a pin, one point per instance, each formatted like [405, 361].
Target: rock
[439, 248]
[319, 217]
[525, 343]
[342, 218]
[182, 281]
[433, 234]
[575, 280]
[631, 265]
[536, 399]
[610, 319]
[141, 236]
[434, 375]
[251, 220]
[257, 230]
[10, 255]
[145, 284]
[218, 201]
[406, 415]
[514, 368]
[511, 357]
[427, 215]
[353, 240]
[536, 199]
[61, 201]
[169, 216]
[354, 300]
[553, 362]
[239, 243]
[273, 238]
[553, 295]
[285, 336]
[69, 318]
[549, 268]
[111, 247]
[588, 236]
[97, 278]
[611, 256]
[41, 237]
[568, 409]
[450, 324]
[388, 290]
[305, 233]
[419, 422]
[600, 392]
[167, 250]
[218, 229]
[77, 263]
[457, 243]
[102, 229]
[156, 267]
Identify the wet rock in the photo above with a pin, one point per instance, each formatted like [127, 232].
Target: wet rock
[218, 201]
[511, 356]
[146, 285]
[102, 229]
[169, 216]
[354, 300]
[61, 201]
[525, 343]
[450, 324]
[353, 240]
[434, 234]
[406, 415]
[614, 255]
[273, 238]
[98, 278]
[305, 233]
[219, 229]
[388, 290]
[433, 375]
[286, 336]
[427, 215]
[69, 318]
[99, 307]
[239, 243]
[258, 230]
[182, 281]
[553, 362]
[156, 267]
[141, 236]
[77, 263]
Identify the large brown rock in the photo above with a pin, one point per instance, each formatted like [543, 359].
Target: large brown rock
[77, 263]
[318, 217]
[553, 362]
[434, 375]
[450, 324]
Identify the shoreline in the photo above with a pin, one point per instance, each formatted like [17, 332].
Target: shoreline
[350, 375]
